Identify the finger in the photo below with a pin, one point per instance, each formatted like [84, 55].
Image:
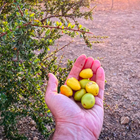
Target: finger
[99, 101]
[100, 80]
[94, 68]
[88, 63]
[51, 91]
[52, 85]
[77, 67]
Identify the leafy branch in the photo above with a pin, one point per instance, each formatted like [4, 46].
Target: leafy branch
[52, 16]
[2, 34]
[60, 28]
[3, 7]
[51, 27]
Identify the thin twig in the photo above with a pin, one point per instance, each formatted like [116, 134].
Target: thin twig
[18, 55]
[59, 63]
[3, 34]
[65, 28]
[19, 9]
[70, 15]
[2, 7]
[57, 51]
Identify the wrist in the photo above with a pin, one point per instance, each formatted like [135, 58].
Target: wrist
[71, 131]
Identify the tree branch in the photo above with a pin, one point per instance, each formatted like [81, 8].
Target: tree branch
[65, 28]
[42, 20]
[51, 27]
[2, 7]
[57, 50]
[19, 9]
[69, 15]
[3, 34]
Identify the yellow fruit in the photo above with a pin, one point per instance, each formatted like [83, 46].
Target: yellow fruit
[64, 89]
[83, 82]
[88, 100]
[86, 73]
[73, 83]
[78, 95]
[92, 87]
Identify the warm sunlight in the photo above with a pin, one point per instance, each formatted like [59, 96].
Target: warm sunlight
[120, 4]
[69, 69]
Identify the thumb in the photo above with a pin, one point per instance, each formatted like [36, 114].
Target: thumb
[52, 85]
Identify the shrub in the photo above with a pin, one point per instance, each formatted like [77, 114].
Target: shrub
[23, 30]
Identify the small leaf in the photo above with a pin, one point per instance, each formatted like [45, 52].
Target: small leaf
[80, 26]
[81, 35]
[32, 14]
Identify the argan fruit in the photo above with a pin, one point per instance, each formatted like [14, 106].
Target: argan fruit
[83, 82]
[73, 83]
[67, 91]
[78, 95]
[92, 87]
[86, 73]
[88, 101]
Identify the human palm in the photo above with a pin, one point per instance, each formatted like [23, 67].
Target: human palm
[66, 110]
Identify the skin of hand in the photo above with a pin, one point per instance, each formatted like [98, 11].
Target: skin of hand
[73, 122]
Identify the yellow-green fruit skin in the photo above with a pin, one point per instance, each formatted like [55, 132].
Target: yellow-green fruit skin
[73, 83]
[83, 82]
[65, 90]
[78, 95]
[92, 87]
[86, 73]
[88, 101]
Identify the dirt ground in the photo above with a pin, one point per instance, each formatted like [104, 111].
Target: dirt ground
[119, 55]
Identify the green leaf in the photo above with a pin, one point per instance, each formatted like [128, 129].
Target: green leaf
[18, 14]
[69, 25]
[80, 26]
[47, 32]
[32, 14]
[57, 23]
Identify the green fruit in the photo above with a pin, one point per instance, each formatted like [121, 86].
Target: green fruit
[78, 95]
[83, 82]
[88, 100]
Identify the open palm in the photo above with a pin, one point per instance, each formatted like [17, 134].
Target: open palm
[66, 110]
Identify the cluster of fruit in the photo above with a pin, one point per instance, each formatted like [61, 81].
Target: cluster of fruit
[85, 89]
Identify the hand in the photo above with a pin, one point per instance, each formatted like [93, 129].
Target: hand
[73, 122]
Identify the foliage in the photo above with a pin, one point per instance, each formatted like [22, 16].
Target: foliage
[24, 30]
